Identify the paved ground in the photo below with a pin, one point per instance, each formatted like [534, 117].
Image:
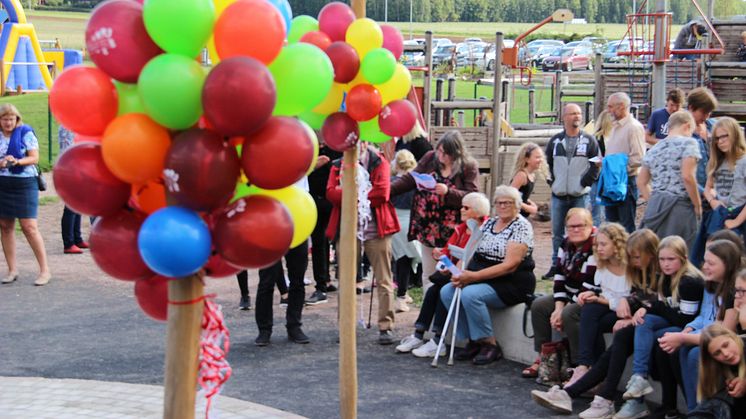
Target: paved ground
[87, 326]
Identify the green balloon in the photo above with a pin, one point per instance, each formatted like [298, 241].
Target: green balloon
[378, 65]
[303, 75]
[369, 131]
[179, 26]
[129, 99]
[314, 120]
[170, 88]
[301, 25]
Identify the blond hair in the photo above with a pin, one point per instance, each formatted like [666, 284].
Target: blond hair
[580, 212]
[678, 246]
[521, 159]
[417, 131]
[604, 124]
[680, 118]
[10, 109]
[645, 242]
[404, 162]
[618, 236]
[713, 374]
[737, 146]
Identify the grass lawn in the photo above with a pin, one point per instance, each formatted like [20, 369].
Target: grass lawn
[33, 108]
[68, 27]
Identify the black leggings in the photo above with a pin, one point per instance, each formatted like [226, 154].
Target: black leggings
[668, 367]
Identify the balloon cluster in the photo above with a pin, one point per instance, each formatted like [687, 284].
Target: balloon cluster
[186, 167]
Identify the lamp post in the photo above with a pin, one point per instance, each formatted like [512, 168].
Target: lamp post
[410, 19]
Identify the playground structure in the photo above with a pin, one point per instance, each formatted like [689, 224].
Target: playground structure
[25, 66]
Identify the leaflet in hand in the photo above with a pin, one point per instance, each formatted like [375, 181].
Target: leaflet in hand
[424, 181]
[450, 266]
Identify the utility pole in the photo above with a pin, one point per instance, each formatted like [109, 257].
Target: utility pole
[659, 66]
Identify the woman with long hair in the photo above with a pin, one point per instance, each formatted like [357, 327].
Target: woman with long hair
[529, 160]
[722, 368]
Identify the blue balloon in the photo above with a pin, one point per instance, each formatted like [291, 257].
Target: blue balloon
[286, 11]
[174, 242]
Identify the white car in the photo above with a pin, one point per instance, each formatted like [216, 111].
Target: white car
[489, 56]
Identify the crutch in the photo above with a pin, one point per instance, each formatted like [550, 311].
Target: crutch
[455, 326]
[456, 296]
[370, 309]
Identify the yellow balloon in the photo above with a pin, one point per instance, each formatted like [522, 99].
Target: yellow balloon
[397, 87]
[332, 101]
[300, 205]
[220, 5]
[364, 35]
[359, 79]
[315, 139]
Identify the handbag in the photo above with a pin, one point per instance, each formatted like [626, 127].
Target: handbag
[40, 179]
[555, 363]
[440, 278]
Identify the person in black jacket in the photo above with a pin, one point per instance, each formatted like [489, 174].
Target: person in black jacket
[416, 142]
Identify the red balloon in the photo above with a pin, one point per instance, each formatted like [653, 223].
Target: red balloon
[238, 96]
[393, 40]
[397, 118]
[114, 246]
[152, 296]
[340, 132]
[84, 100]
[345, 61]
[253, 232]
[117, 41]
[363, 102]
[201, 170]
[217, 267]
[83, 181]
[279, 154]
[318, 38]
[86, 139]
[334, 19]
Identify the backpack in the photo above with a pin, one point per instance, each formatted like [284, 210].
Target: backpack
[612, 184]
[719, 406]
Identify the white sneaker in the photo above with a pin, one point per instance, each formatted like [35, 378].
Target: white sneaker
[307, 281]
[555, 399]
[633, 409]
[400, 305]
[428, 350]
[408, 299]
[600, 409]
[408, 343]
[637, 387]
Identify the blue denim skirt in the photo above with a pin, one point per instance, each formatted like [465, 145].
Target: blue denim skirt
[19, 197]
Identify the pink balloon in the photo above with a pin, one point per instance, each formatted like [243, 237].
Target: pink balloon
[393, 40]
[117, 41]
[397, 118]
[334, 18]
[340, 132]
[345, 61]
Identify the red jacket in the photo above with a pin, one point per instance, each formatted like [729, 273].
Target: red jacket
[459, 238]
[380, 179]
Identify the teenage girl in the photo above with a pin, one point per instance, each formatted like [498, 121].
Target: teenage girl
[528, 162]
[722, 367]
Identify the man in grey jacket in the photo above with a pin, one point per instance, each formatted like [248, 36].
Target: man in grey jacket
[571, 156]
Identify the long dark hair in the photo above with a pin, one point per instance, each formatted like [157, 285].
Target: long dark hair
[453, 146]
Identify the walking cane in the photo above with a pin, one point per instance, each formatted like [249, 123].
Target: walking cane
[456, 294]
[370, 309]
[455, 326]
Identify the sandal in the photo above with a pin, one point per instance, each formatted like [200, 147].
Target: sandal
[533, 370]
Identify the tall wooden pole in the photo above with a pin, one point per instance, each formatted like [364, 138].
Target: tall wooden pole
[347, 273]
[182, 347]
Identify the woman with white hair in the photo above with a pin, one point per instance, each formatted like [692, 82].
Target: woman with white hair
[499, 274]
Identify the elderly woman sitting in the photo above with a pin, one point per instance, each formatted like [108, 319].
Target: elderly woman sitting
[499, 274]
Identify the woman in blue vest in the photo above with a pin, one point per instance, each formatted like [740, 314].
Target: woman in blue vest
[19, 191]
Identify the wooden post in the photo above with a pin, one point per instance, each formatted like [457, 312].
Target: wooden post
[558, 95]
[439, 97]
[451, 96]
[495, 162]
[182, 347]
[426, 98]
[598, 91]
[531, 106]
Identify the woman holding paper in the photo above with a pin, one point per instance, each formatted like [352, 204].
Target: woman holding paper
[499, 274]
[441, 180]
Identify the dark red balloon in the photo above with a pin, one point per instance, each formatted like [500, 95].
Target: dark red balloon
[201, 170]
[117, 41]
[318, 38]
[85, 184]
[279, 154]
[345, 61]
[363, 102]
[152, 296]
[340, 132]
[253, 232]
[114, 246]
[217, 267]
[393, 40]
[238, 96]
[397, 118]
[334, 19]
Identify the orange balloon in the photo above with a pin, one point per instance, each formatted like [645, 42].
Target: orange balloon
[250, 28]
[134, 148]
[149, 197]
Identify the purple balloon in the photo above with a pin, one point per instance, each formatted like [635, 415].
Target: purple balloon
[393, 40]
[238, 96]
[117, 41]
[334, 19]
[340, 132]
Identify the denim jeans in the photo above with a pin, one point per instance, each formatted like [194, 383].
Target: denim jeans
[560, 206]
[71, 227]
[624, 212]
[474, 318]
[598, 216]
[689, 358]
[646, 336]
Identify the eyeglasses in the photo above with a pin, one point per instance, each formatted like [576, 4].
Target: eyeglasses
[504, 203]
[576, 226]
[740, 292]
[720, 137]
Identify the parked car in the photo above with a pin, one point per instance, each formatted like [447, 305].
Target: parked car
[570, 58]
[443, 54]
[544, 51]
[599, 43]
[441, 42]
[471, 54]
[413, 58]
[489, 56]
[479, 40]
